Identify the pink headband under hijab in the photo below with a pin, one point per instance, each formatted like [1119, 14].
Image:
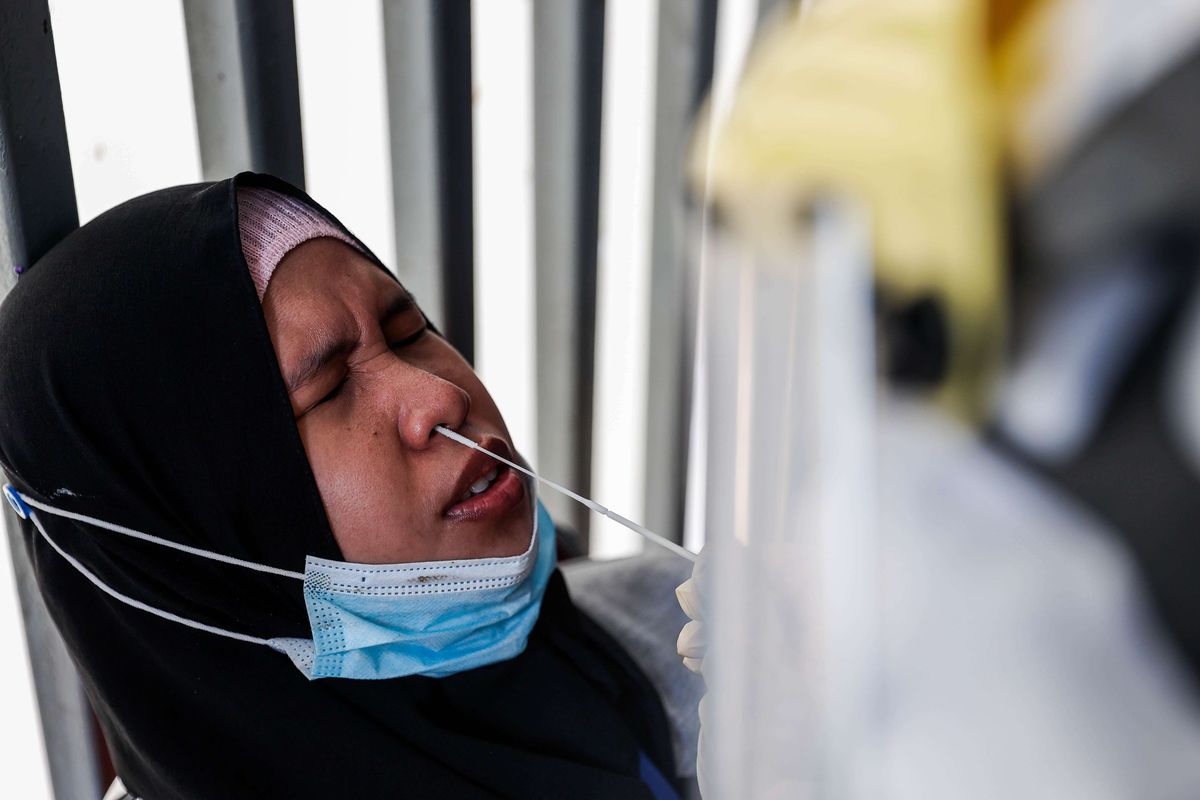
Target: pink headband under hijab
[272, 225]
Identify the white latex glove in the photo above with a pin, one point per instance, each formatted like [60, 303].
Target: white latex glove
[692, 645]
[692, 642]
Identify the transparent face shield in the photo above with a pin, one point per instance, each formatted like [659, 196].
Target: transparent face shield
[895, 608]
[793, 667]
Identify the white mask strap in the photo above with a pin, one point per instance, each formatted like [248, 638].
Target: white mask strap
[592, 504]
[11, 492]
[129, 601]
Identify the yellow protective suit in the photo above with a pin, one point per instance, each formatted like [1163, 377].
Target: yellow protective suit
[889, 102]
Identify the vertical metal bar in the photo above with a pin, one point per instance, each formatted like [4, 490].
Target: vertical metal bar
[72, 747]
[217, 86]
[686, 38]
[587, 134]
[37, 198]
[413, 134]
[452, 59]
[247, 95]
[705, 38]
[556, 67]
[568, 54]
[267, 36]
[36, 187]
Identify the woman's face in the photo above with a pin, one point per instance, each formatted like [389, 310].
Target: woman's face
[368, 381]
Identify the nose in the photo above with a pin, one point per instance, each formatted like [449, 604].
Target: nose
[423, 400]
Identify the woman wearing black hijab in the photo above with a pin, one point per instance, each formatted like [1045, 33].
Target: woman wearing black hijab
[139, 385]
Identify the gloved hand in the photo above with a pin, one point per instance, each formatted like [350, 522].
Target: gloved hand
[692, 642]
[692, 645]
[888, 103]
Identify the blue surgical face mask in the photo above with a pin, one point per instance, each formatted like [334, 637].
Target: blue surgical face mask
[432, 618]
[372, 621]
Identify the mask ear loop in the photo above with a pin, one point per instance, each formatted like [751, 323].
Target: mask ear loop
[650, 535]
[138, 604]
[23, 505]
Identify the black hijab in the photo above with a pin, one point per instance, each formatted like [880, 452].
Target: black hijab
[138, 385]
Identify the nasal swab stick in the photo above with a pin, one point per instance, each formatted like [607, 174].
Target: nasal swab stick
[592, 504]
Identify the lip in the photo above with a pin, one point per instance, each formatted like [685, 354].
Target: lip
[506, 491]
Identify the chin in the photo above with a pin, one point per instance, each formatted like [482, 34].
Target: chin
[517, 533]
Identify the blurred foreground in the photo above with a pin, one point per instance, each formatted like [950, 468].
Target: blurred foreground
[951, 364]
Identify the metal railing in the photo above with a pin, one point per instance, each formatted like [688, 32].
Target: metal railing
[246, 98]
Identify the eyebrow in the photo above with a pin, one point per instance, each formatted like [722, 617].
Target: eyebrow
[314, 362]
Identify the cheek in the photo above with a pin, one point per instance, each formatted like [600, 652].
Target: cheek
[360, 481]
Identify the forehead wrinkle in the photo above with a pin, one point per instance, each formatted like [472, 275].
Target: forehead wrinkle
[322, 342]
[352, 312]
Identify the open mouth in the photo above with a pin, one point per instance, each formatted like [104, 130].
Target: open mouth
[486, 489]
[480, 486]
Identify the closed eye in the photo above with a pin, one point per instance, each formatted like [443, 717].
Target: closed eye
[337, 389]
[407, 340]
